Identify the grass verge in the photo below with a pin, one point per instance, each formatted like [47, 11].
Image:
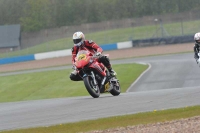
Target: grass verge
[117, 121]
[56, 84]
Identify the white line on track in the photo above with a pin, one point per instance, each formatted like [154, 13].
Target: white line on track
[140, 75]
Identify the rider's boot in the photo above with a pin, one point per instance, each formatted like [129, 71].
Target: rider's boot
[112, 72]
[105, 60]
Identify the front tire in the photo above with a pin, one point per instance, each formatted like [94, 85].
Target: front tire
[91, 88]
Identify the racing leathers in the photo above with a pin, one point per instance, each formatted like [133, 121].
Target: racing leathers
[93, 48]
[196, 51]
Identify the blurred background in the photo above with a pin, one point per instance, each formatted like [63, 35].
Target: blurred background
[35, 26]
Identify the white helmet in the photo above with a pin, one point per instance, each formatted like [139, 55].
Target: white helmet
[78, 38]
[197, 37]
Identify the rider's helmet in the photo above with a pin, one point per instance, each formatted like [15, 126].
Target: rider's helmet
[78, 38]
[197, 38]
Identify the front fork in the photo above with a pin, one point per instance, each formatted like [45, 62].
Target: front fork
[93, 77]
[95, 82]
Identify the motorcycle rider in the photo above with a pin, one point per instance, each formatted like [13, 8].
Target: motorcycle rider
[81, 44]
[196, 45]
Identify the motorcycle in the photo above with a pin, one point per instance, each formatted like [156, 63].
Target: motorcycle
[95, 76]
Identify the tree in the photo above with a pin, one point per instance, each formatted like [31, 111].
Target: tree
[36, 15]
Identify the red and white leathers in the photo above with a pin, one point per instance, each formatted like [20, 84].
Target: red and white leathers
[87, 45]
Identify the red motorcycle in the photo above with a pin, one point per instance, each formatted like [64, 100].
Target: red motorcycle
[95, 76]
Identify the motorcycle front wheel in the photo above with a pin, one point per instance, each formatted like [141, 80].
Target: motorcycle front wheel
[92, 89]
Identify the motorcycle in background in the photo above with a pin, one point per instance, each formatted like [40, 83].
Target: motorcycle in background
[95, 76]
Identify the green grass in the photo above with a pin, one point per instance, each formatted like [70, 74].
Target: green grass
[111, 36]
[117, 121]
[56, 84]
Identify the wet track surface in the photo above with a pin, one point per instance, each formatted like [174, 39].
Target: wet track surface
[171, 82]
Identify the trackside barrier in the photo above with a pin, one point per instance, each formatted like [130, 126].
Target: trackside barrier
[109, 47]
[105, 47]
[17, 59]
[122, 45]
[163, 40]
[60, 53]
[52, 54]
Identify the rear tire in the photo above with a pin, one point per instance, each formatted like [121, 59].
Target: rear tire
[116, 90]
[91, 88]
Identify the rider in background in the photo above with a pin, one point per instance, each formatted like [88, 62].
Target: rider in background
[81, 44]
[196, 45]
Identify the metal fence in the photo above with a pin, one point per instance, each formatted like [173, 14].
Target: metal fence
[162, 27]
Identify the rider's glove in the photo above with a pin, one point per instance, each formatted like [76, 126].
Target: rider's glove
[98, 54]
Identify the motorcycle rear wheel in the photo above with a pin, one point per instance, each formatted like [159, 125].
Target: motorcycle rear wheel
[91, 88]
[116, 90]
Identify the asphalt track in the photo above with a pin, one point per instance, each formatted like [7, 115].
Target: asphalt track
[172, 81]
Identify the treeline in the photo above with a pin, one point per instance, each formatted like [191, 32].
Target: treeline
[34, 15]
